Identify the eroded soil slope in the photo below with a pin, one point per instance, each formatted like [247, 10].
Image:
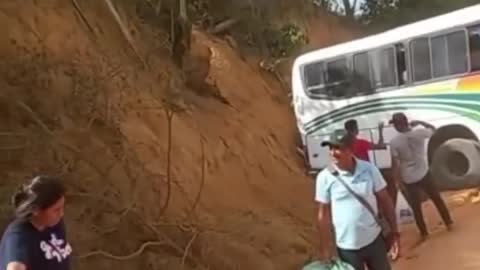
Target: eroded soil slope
[77, 102]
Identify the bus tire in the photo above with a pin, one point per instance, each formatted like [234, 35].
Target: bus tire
[455, 165]
[446, 133]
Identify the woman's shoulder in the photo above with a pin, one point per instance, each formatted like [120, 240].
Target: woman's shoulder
[19, 226]
[17, 231]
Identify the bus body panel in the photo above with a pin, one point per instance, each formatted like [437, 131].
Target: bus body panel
[451, 101]
[444, 103]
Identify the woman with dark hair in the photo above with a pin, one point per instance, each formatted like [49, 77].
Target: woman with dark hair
[36, 239]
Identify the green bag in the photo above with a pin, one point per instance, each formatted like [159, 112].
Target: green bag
[336, 264]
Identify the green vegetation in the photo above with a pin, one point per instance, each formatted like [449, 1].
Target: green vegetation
[262, 27]
[382, 14]
[285, 41]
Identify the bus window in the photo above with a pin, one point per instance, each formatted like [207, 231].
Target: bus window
[440, 56]
[314, 76]
[420, 59]
[457, 52]
[449, 54]
[401, 64]
[361, 73]
[338, 79]
[474, 40]
[384, 70]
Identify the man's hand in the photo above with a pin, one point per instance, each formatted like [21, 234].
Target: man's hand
[328, 247]
[381, 125]
[327, 254]
[16, 266]
[415, 123]
[395, 247]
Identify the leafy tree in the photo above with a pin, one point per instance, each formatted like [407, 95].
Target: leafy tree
[347, 8]
[391, 13]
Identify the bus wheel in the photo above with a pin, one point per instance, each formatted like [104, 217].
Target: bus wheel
[446, 133]
[455, 165]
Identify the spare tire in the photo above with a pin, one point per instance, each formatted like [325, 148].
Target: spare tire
[456, 164]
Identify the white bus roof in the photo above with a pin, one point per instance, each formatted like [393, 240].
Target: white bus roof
[446, 21]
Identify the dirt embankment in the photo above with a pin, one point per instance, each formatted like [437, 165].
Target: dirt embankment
[76, 102]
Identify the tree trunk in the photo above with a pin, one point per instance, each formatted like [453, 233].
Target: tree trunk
[182, 30]
[350, 8]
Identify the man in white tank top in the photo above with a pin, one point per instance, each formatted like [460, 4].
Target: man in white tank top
[409, 164]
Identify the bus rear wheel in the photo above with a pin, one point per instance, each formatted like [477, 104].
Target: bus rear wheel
[450, 164]
[455, 165]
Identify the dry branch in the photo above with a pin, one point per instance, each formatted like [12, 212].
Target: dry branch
[138, 252]
[169, 241]
[202, 179]
[158, 7]
[151, 227]
[223, 26]
[67, 146]
[187, 249]
[123, 213]
[35, 117]
[78, 9]
[165, 240]
[155, 6]
[169, 113]
[125, 31]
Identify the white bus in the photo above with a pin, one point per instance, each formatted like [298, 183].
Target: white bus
[430, 70]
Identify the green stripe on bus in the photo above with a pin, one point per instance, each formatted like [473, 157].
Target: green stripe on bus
[461, 110]
[357, 111]
[455, 100]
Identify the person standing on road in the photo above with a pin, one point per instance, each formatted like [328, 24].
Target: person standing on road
[362, 146]
[36, 239]
[358, 236]
[410, 166]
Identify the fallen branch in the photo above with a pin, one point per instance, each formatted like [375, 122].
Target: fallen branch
[35, 117]
[13, 147]
[202, 179]
[125, 31]
[158, 7]
[160, 235]
[125, 257]
[50, 133]
[155, 6]
[78, 9]
[187, 249]
[164, 207]
[169, 241]
[223, 26]
[122, 215]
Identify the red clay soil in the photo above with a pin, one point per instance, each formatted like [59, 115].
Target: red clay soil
[78, 103]
[457, 249]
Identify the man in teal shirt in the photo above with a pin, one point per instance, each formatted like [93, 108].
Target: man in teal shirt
[358, 238]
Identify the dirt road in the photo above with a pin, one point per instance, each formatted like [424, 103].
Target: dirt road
[457, 250]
